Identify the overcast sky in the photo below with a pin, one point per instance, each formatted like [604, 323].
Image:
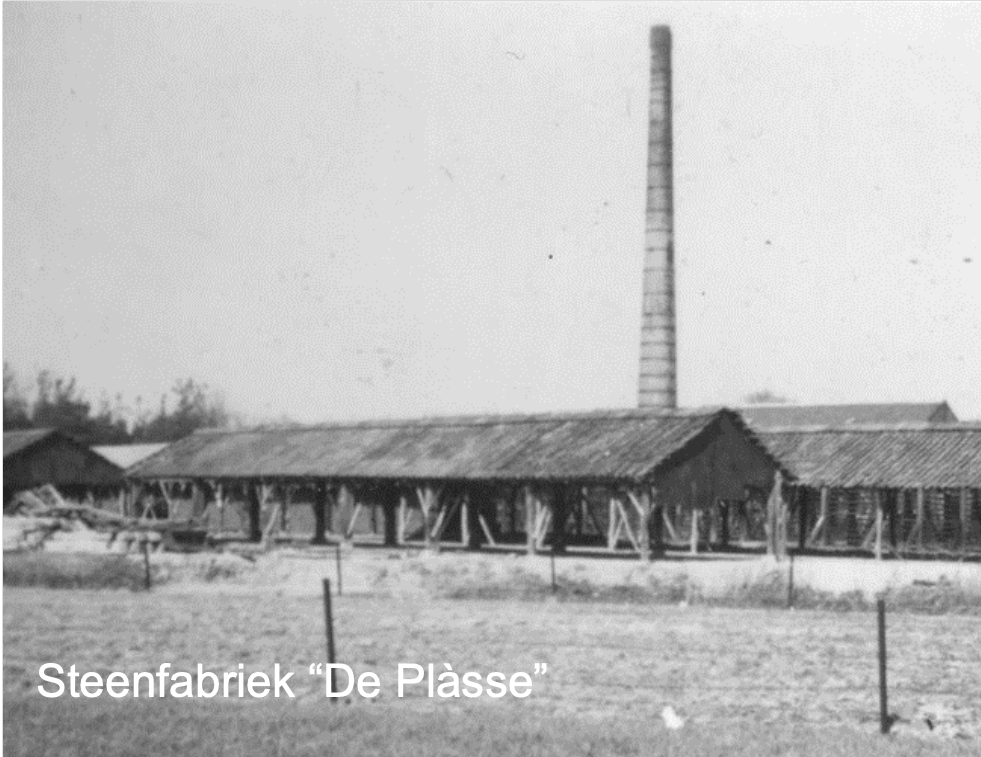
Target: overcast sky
[346, 211]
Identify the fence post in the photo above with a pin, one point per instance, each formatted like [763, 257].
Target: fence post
[883, 694]
[329, 624]
[147, 580]
[340, 582]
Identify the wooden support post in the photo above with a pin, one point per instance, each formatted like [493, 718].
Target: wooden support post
[403, 517]
[612, 527]
[920, 513]
[802, 497]
[560, 517]
[284, 518]
[346, 512]
[724, 523]
[878, 523]
[895, 512]
[390, 505]
[199, 500]
[776, 519]
[965, 513]
[319, 512]
[884, 721]
[710, 528]
[531, 521]
[220, 500]
[693, 544]
[643, 503]
[465, 508]
[429, 504]
[657, 523]
[476, 505]
[255, 512]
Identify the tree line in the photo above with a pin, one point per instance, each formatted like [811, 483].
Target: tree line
[55, 401]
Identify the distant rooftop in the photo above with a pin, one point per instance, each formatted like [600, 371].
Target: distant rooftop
[789, 416]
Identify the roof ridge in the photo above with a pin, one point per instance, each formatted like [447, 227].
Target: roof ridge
[908, 426]
[794, 405]
[486, 419]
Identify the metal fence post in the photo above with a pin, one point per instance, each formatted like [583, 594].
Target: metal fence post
[883, 694]
[329, 627]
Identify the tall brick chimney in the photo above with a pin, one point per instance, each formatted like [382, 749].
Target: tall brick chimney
[658, 363]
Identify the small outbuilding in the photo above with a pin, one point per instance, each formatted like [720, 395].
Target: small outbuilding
[35, 457]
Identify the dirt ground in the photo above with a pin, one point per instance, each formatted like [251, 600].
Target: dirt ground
[710, 664]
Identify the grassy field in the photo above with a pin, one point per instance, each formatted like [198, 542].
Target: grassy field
[747, 681]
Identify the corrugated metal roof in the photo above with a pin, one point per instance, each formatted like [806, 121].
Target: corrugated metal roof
[895, 456]
[772, 416]
[609, 445]
[125, 455]
[15, 441]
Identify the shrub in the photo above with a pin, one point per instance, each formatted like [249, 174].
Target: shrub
[66, 570]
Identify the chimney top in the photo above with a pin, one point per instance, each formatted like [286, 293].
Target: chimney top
[660, 36]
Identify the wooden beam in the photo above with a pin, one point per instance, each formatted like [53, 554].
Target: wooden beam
[668, 524]
[587, 514]
[625, 524]
[271, 525]
[444, 517]
[353, 521]
[543, 518]
[429, 504]
[487, 531]
[820, 527]
[642, 502]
